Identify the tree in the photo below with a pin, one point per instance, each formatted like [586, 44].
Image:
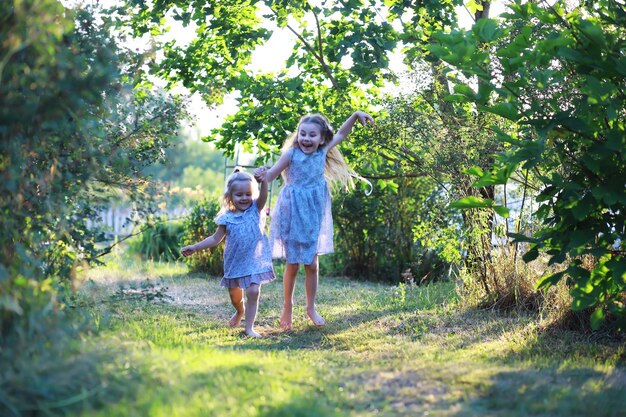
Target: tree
[339, 62]
[559, 77]
[74, 123]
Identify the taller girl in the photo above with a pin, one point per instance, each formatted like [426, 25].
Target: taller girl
[301, 226]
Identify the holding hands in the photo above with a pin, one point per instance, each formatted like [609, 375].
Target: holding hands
[188, 250]
[260, 174]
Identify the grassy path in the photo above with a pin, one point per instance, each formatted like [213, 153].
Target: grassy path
[386, 351]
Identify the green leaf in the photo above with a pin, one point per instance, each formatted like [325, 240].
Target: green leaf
[456, 98]
[617, 265]
[597, 318]
[465, 90]
[518, 237]
[506, 110]
[486, 180]
[476, 171]
[594, 33]
[487, 30]
[576, 124]
[501, 210]
[471, 202]
[547, 281]
[579, 238]
[438, 50]
[583, 302]
[531, 255]
[473, 7]
[581, 209]
[504, 137]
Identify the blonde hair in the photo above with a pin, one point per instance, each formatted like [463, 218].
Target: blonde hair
[227, 198]
[336, 170]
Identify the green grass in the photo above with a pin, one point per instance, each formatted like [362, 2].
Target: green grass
[386, 351]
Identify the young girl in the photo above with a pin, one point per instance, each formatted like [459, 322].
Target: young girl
[301, 226]
[247, 255]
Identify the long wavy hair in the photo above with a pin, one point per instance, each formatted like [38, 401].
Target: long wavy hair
[227, 198]
[336, 170]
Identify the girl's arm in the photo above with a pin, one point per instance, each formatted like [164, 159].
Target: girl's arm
[346, 127]
[209, 242]
[283, 162]
[260, 202]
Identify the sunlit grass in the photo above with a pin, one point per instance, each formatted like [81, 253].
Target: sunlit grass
[386, 350]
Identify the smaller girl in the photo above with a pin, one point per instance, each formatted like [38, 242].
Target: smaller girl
[247, 255]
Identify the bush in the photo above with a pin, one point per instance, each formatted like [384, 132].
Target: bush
[75, 123]
[375, 237]
[199, 225]
[160, 242]
[566, 97]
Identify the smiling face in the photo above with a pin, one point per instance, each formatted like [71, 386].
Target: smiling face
[241, 194]
[309, 137]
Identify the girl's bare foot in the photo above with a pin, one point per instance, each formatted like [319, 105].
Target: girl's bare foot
[252, 333]
[236, 319]
[316, 318]
[286, 319]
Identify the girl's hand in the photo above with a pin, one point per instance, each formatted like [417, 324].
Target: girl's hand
[188, 250]
[364, 118]
[260, 174]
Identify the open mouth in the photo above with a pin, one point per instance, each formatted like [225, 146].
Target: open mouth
[306, 147]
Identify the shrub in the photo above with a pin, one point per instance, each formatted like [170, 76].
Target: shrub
[74, 123]
[199, 225]
[160, 242]
[558, 72]
[375, 235]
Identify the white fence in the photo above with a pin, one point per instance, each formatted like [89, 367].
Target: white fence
[121, 221]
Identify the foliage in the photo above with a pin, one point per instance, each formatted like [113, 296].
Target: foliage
[559, 79]
[73, 125]
[199, 225]
[191, 170]
[192, 153]
[374, 234]
[160, 241]
[76, 122]
[338, 63]
[420, 135]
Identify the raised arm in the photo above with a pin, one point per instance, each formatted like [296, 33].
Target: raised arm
[346, 127]
[209, 242]
[260, 202]
[279, 166]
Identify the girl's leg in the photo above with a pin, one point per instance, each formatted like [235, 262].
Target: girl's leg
[252, 305]
[289, 284]
[236, 298]
[311, 274]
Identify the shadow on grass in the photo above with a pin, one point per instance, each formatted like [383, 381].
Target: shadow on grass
[70, 377]
[541, 392]
[551, 392]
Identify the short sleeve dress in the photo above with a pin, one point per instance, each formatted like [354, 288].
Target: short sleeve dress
[247, 255]
[302, 225]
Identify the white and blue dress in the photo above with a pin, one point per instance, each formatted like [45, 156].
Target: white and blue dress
[301, 224]
[247, 255]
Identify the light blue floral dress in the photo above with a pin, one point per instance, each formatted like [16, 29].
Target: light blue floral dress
[301, 224]
[247, 256]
